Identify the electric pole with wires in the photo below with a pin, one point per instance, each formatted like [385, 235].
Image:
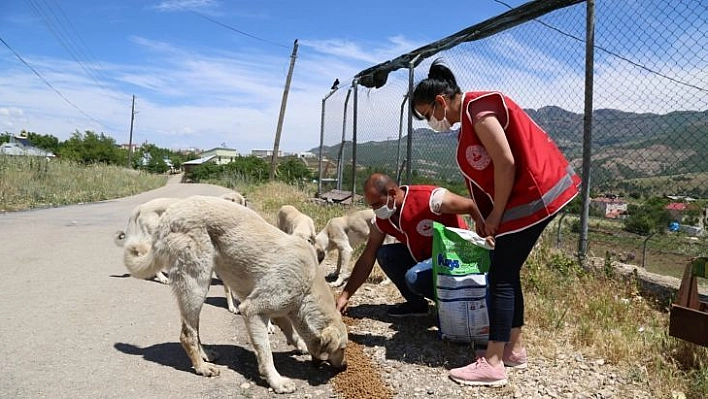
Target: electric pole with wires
[130, 138]
[276, 144]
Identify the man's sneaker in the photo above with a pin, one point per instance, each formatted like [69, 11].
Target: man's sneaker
[408, 309]
[515, 360]
[480, 373]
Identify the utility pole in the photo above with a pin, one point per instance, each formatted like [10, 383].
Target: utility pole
[283, 103]
[130, 140]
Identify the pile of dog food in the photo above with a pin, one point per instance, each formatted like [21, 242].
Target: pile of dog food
[362, 378]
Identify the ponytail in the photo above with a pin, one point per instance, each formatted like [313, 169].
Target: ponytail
[440, 81]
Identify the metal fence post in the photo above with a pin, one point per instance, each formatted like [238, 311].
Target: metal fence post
[354, 131]
[587, 129]
[400, 137]
[340, 155]
[409, 153]
[322, 127]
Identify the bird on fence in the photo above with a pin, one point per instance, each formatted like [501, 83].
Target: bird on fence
[335, 85]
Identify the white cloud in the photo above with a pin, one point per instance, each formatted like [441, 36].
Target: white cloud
[181, 5]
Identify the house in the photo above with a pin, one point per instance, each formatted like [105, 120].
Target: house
[20, 145]
[189, 165]
[609, 207]
[676, 210]
[265, 153]
[221, 155]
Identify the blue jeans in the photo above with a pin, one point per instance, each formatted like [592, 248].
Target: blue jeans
[414, 280]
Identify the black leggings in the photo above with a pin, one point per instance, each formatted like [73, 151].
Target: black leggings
[506, 305]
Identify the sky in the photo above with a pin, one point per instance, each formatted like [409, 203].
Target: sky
[204, 73]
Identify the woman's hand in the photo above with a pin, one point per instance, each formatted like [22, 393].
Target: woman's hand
[491, 224]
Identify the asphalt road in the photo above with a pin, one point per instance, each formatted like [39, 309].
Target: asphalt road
[74, 324]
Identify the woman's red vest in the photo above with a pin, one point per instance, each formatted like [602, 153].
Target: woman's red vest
[416, 222]
[544, 182]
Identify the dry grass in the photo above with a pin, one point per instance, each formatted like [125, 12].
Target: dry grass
[31, 182]
[606, 319]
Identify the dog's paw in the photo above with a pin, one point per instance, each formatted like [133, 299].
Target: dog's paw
[281, 384]
[233, 309]
[162, 278]
[207, 370]
[271, 327]
[337, 282]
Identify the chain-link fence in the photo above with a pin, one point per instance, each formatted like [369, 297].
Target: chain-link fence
[649, 119]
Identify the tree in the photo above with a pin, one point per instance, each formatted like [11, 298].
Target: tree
[293, 170]
[89, 147]
[46, 142]
[649, 217]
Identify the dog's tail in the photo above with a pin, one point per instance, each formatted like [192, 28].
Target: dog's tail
[139, 257]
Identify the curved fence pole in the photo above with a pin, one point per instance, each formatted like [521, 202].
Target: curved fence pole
[322, 127]
[644, 250]
[560, 225]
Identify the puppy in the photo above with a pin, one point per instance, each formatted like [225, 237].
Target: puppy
[294, 222]
[344, 233]
[275, 275]
[143, 222]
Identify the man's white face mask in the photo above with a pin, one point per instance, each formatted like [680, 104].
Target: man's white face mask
[439, 125]
[385, 212]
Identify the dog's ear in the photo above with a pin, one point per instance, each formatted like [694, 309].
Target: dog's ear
[328, 342]
[320, 253]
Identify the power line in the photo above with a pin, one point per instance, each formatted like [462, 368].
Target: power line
[237, 30]
[623, 58]
[57, 27]
[63, 97]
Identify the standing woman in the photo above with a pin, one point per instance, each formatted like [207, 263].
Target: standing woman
[519, 180]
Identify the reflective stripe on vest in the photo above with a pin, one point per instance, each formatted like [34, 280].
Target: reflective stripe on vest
[528, 209]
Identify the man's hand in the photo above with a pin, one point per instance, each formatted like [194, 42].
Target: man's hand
[342, 303]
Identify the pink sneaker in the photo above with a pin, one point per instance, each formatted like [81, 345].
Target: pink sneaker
[480, 373]
[515, 360]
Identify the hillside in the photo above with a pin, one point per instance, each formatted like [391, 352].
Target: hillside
[624, 146]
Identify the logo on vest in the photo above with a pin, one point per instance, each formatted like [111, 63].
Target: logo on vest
[477, 157]
[425, 228]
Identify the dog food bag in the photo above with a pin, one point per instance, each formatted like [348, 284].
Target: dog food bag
[460, 264]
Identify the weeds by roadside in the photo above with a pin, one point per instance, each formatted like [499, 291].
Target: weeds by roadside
[34, 182]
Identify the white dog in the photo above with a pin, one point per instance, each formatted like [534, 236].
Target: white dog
[275, 275]
[344, 233]
[143, 222]
[296, 223]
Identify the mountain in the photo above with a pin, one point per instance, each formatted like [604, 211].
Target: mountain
[625, 145]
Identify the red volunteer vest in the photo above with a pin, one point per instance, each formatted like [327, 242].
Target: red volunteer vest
[545, 181]
[416, 222]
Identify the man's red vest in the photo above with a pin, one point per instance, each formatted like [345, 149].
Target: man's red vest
[416, 222]
[544, 182]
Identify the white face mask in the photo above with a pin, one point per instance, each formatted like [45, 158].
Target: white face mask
[440, 125]
[385, 212]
